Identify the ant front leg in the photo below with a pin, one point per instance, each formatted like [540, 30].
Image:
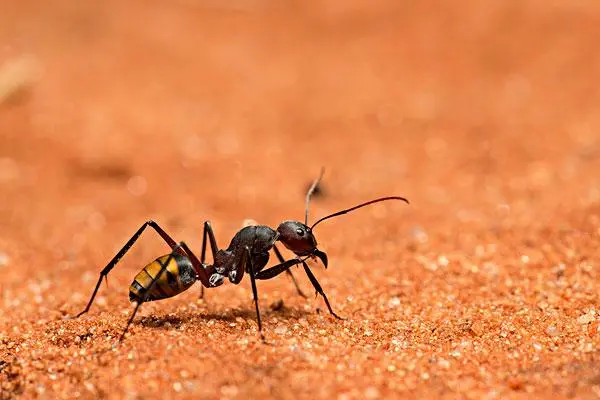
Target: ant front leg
[318, 288]
[279, 268]
[275, 270]
[287, 271]
[111, 264]
[208, 232]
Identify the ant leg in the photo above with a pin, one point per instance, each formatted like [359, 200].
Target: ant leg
[211, 236]
[163, 267]
[111, 264]
[282, 260]
[275, 270]
[247, 259]
[318, 288]
[208, 232]
[202, 272]
[278, 269]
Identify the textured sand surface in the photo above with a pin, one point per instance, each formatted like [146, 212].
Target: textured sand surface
[484, 114]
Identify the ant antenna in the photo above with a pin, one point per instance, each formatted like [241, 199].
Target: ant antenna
[310, 192]
[358, 206]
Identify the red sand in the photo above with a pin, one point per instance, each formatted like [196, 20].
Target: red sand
[485, 116]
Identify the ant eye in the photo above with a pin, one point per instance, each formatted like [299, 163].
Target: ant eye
[300, 232]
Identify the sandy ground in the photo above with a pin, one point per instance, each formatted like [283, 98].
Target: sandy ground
[485, 115]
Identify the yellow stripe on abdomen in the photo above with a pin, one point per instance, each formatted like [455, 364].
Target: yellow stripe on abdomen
[167, 285]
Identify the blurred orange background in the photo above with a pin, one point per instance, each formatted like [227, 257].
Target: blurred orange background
[484, 114]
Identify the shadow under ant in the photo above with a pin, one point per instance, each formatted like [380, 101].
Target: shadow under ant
[168, 322]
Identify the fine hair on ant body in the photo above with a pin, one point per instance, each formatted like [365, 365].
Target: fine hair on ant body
[248, 252]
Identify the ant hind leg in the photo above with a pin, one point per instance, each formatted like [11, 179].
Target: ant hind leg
[163, 268]
[111, 264]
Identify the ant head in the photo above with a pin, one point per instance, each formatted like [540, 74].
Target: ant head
[298, 238]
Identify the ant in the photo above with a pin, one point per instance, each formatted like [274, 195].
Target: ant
[248, 252]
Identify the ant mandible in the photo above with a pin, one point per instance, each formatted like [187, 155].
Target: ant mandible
[248, 252]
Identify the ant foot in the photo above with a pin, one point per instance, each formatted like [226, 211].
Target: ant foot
[338, 317]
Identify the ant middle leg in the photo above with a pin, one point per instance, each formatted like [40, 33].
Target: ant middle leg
[287, 271]
[208, 233]
[247, 260]
[111, 264]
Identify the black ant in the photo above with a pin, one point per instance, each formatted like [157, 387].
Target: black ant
[248, 252]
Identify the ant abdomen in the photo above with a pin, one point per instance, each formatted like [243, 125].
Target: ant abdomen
[177, 277]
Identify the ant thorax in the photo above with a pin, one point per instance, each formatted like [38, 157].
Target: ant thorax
[223, 265]
[257, 239]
